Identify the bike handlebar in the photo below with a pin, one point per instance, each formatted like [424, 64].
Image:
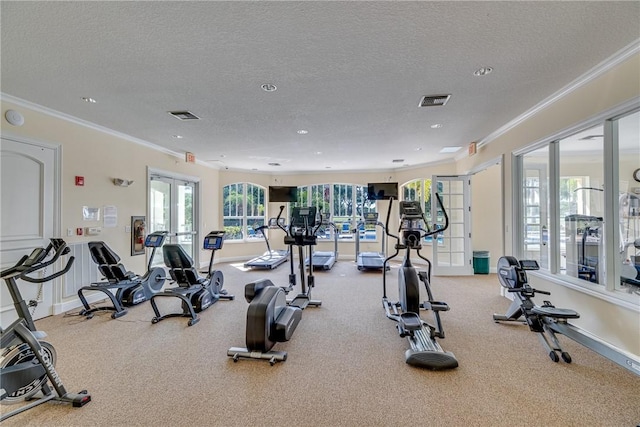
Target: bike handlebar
[428, 233]
[60, 248]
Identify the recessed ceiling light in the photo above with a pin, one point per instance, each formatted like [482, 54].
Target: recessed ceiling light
[317, 153]
[89, 100]
[177, 136]
[419, 149]
[223, 155]
[327, 167]
[436, 126]
[482, 71]
[303, 132]
[269, 87]
[449, 149]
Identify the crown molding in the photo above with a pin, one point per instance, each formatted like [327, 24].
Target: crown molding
[98, 128]
[597, 71]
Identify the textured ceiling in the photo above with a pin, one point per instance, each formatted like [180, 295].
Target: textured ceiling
[350, 73]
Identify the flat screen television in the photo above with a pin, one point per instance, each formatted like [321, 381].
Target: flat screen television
[283, 194]
[382, 190]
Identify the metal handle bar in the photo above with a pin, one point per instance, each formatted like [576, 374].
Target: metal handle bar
[60, 249]
[278, 221]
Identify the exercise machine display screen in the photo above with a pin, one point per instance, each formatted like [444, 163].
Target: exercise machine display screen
[529, 264]
[213, 240]
[154, 240]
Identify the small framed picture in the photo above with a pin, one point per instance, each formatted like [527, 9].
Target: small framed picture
[138, 225]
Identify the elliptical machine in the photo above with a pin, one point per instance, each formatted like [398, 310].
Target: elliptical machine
[197, 293]
[425, 351]
[131, 288]
[27, 362]
[271, 318]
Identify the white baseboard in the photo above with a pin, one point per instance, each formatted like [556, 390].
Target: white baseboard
[75, 303]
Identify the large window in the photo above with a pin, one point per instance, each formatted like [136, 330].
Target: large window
[579, 212]
[243, 211]
[420, 190]
[342, 204]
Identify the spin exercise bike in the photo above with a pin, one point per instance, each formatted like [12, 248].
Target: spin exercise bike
[425, 351]
[547, 320]
[271, 318]
[131, 289]
[195, 292]
[27, 364]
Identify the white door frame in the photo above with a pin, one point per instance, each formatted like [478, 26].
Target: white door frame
[459, 216]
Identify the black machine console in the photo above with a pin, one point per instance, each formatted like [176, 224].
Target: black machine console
[304, 216]
[154, 240]
[213, 240]
[529, 264]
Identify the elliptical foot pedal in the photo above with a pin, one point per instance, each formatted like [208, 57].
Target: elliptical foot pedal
[434, 360]
[436, 305]
[410, 321]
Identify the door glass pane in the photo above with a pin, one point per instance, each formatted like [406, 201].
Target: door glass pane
[171, 209]
[184, 218]
[535, 206]
[159, 212]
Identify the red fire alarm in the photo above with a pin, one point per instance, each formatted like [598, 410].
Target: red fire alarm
[79, 181]
[79, 231]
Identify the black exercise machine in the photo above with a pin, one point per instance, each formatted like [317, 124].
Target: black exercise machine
[27, 365]
[370, 260]
[425, 351]
[130, 289]
[195, 292]
[272, 258]
[271, 318]
[269, 321]
[547, 320]
[326, 259]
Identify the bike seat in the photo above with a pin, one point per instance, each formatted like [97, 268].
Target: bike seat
[558, 313]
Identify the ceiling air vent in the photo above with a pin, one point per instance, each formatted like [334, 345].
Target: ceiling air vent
[274, 164]
[184, 115]
[434, 100]
[397, 161]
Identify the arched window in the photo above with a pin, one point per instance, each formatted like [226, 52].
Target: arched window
[243, 210]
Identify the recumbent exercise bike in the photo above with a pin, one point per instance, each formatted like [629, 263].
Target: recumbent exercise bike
[131, 289]
[196, 293]
[425, 351]
[28, 362]
[271, 318]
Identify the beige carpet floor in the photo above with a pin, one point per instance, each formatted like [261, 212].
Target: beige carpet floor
[345, 366]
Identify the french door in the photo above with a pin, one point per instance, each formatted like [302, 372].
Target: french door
[172, 208]
[452, 248]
